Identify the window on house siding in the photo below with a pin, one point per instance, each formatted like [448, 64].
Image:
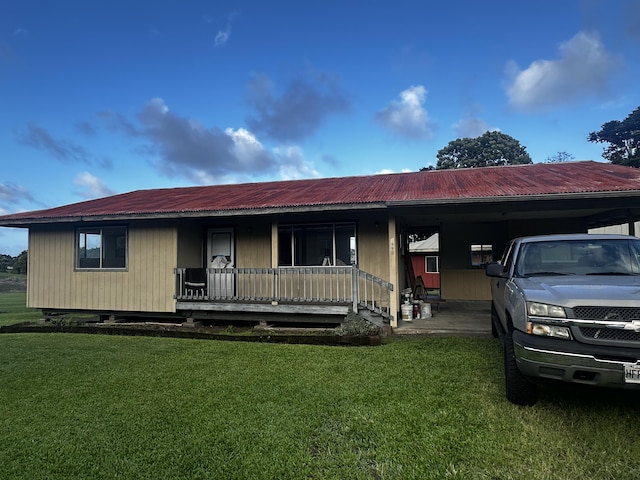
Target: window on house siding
[431, 264]
[481, 255]
[101, 247]
[317, 244]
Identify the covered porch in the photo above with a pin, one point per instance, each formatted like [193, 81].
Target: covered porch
[322, 291]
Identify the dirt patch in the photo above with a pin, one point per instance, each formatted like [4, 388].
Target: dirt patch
[13, 284]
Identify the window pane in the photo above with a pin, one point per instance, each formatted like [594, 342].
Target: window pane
[114, 242]
[92, 244]
[101, 248]
[284, 247]
[432, 264]
[88, 249]
[313, 245]
[481, 254]
[345, 244]
[309, 245]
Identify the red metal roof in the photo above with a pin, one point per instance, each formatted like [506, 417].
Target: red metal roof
[417, 187]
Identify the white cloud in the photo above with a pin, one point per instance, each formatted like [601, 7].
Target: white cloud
[181, 146]
[471, 127]
[222, 37]
[293, 166]
[407, 116]
[184, 147]
[246, 147]
[386, 171]
[583, 68]
[92, 187]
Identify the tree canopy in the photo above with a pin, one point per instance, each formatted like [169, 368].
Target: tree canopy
[560, 157]
[14, 264]
[488, 150]
[623, 138]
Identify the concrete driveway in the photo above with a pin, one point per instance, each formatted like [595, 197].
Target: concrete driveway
[455, 318]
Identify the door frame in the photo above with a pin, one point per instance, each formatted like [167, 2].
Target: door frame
[230, 253]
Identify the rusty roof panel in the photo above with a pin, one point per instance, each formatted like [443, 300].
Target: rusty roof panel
[416, 187]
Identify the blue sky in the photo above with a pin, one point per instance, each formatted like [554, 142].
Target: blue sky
[104, 97]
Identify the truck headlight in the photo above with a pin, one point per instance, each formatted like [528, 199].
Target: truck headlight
[548, 330]
[535, 309]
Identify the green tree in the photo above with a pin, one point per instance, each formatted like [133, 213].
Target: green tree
[559, 157]
[488, 150]
[5, 261]
[623, 139]
[20, 263]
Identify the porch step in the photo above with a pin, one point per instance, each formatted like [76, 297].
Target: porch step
[374, 317]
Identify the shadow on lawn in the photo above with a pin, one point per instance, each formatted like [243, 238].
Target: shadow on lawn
[586, 397]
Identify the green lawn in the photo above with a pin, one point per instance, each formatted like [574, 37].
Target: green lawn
[13, 310]
[92, 406]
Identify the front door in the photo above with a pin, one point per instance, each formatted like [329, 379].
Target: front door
[221, 254]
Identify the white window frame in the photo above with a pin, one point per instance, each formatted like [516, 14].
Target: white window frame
[426, 264]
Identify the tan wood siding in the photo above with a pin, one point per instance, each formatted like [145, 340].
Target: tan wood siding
[50, 268]
[191, 246]
[465, 285]
[146, 286]
[373, 248]
[253, 245]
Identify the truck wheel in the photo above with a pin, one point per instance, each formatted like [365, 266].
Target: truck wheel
[494, 320]
[519, 390]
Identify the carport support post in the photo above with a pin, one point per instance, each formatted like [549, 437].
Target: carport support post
[394, 306]
[274, 263]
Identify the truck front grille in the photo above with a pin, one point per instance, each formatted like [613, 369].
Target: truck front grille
[613, 314]
[610, 334]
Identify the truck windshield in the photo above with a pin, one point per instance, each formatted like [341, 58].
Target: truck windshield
[579, 257]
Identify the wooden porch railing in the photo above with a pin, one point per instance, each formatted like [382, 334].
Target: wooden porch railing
[318, 285]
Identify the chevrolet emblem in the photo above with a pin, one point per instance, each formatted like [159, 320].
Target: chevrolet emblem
[633, 325]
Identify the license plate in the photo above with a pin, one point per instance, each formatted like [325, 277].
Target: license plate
[632, 373]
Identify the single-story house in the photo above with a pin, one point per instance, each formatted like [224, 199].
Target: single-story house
[304, 249]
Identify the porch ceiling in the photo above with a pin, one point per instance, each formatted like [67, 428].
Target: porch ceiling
[593, 211]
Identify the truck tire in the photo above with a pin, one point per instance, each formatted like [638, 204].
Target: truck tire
[518, 389]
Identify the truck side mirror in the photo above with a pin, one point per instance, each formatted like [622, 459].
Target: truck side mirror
[494, 269]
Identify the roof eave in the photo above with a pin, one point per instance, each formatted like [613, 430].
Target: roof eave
[513, 198]
[26, 222]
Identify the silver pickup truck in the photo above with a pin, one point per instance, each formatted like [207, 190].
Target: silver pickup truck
[567, 308]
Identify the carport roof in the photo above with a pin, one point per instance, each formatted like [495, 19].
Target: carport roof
[516, 182]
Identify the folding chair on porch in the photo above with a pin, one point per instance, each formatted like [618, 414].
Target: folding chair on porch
[195, 282]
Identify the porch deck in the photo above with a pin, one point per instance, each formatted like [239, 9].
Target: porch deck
[299, 291]
[455, 318]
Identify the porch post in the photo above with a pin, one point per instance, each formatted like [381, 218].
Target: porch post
[393, 271]
[355, 279]
[274, 262]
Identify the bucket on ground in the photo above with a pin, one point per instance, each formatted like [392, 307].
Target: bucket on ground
[407, 312]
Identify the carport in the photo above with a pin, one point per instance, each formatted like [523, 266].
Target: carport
[487, 207]
[456, 318]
